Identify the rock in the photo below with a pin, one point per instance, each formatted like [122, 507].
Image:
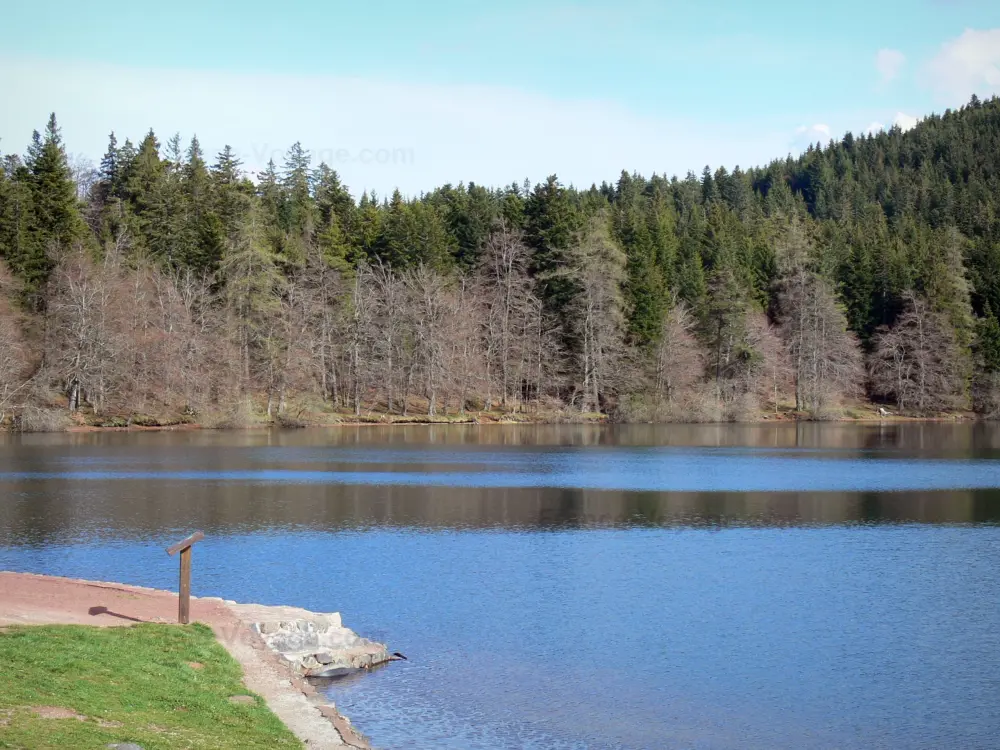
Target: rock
[329, 670]
[124, 746]
[310, 643]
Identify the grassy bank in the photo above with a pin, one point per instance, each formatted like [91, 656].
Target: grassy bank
[312, 415]
[243, 419]
[159, 686]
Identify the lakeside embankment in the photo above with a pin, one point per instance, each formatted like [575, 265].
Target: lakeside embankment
[866, 413]
[275, 647]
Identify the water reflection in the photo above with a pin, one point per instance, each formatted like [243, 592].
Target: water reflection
[972, 440]
[60, 512]
[43, 503]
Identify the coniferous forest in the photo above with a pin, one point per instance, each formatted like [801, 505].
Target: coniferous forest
[165, 285]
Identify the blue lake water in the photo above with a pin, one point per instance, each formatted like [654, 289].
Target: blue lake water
[773, 586]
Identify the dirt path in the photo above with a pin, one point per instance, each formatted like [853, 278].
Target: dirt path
[28, 599]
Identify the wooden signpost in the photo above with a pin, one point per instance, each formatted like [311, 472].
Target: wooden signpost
[184, 602]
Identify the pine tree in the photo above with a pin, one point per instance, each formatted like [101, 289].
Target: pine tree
[333, 199]
[20, 245]
[297, 207]
[271, 220]
[709, 190]
[368, 229]
[335, 209]
[151, 196]
[203, 228]
[56, 216]
[552, 224]
[469, 213]
[110, 178]
[393, 245]
[645, 299]
[232, 194]
[691, 287]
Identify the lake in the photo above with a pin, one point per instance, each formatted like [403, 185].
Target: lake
[681, 586]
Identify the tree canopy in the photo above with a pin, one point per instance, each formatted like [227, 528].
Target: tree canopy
[572, 293]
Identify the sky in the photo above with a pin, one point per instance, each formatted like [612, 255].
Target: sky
[414, 95]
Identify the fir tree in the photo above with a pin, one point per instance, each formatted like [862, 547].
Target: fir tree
[552, 224]
[56, 216]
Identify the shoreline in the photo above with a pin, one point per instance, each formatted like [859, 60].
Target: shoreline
[195, 427]
[28, 599]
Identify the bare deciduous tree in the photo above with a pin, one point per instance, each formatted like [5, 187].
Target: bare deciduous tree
[467, 356]
[253, 297]
[428, 307]
[916, 362]
[509, 319]
[767, 372]
[599, 316]
[320, 294]
[679, 360]
[362, 331]
[389, 352]
[86, 329]
[206, 363]
[15, 359]
[825, 357]
[130, 339]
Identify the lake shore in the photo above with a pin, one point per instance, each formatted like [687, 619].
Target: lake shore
[55, 418]
[866, 414]
[28, 599]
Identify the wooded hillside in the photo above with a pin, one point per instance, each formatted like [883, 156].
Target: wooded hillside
[166, 284]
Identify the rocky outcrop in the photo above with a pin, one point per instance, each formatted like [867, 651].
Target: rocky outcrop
[312, 644]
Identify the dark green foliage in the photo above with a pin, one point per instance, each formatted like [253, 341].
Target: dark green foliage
[56, 213]
[552, 224]
[335, 216]
[470, 214]
[39, 212]
[19, 244]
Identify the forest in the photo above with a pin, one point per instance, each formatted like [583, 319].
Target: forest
[166, 285]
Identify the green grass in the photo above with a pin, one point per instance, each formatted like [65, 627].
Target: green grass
[133, 684]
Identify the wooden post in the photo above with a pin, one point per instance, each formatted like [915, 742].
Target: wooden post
[184, 602]
[184, 590]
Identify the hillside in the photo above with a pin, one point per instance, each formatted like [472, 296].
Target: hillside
[165, 285]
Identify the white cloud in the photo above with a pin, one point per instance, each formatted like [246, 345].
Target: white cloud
[889, 63]
[808, 135]
[901, 120]
[415, 136]
[969, 64]
[819, 129]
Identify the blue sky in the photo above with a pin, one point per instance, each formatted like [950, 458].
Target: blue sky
[416, 94]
